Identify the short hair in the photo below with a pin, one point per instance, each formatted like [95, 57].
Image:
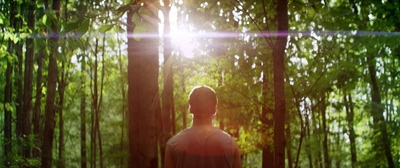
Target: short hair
[203, 101]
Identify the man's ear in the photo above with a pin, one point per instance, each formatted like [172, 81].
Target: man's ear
[215, 110]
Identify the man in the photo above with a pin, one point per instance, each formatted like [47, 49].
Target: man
[202, 145]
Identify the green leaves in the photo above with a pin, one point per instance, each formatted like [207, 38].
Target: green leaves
[70, 26]
[83, 27]
[2, 18]
[44, 20]
[50, 18]
[105, 28]
[80, 27]
[8, 107]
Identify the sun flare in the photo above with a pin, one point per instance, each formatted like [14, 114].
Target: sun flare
[183, 43]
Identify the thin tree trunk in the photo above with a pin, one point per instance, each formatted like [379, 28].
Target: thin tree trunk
[124, 108]
[48, 132]
[289, 142]
[338, 148]
[99, 104]
[37, 125]
[267, 113]
[327, 160]
[94, 109]
[303, 131]
[28, 76]
[18, 79]
[278, 55]
[142, 97]
[8, 116]
[377, 112]
[319, 162]
[267, 119]
[60, 108]
[184, 108]
[352, 135]
[308, 146]
[167, 93]
[7, 101]
[61, 90]
[83, 113]
[38, 103]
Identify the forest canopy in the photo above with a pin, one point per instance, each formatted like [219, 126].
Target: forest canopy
[105, 83]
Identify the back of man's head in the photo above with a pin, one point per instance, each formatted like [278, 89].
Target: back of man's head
[203, 101]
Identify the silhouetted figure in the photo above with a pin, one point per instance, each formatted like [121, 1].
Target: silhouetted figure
[202, 145]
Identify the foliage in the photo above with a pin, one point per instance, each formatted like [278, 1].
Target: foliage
[326, 64]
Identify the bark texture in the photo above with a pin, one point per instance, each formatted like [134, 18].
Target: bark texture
[142, 98]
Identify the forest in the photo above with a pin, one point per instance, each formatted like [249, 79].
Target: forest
[105, 83]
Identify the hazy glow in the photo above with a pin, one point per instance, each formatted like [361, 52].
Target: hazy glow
[183, 42]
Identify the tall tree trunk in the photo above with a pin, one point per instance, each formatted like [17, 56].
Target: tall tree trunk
[184, 109]
[7, 148]
[93, 135]
[316, 123]
[61, 89]
[317, 129]
[304, 128]
[352, 135]
[124, 108]
[37, 128]
[83, 113]
[325, 131]
[60, 107]
[38, 103]
[28, 83]
[338, 148]
[167, 93]
[48, 132]
[267, 118]
[83, 104]
[278, 55]
[18, 77]
[289, 142]
[99, 103]
[142, 96]
[377, 112]
[308, 146]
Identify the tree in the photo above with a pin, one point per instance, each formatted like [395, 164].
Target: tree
[352, 135]
[377, 112]
[28, 82]
[62, 83]
[167, 112]
[335, 115]
[143, 89]
[278, 54]
[48, 131]
[37, 129]
[83, 161]
[8, 98]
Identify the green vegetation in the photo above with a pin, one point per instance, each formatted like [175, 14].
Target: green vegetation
[100, 82]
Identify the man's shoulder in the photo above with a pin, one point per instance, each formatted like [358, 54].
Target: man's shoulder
[221, 134]
[181, 135]
[189, 133]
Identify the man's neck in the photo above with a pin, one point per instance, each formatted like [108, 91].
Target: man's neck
[202, 122]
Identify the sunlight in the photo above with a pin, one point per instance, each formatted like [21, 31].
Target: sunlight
[182, 42]
[181, 37]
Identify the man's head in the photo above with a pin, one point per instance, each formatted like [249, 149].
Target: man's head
[203, 101]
